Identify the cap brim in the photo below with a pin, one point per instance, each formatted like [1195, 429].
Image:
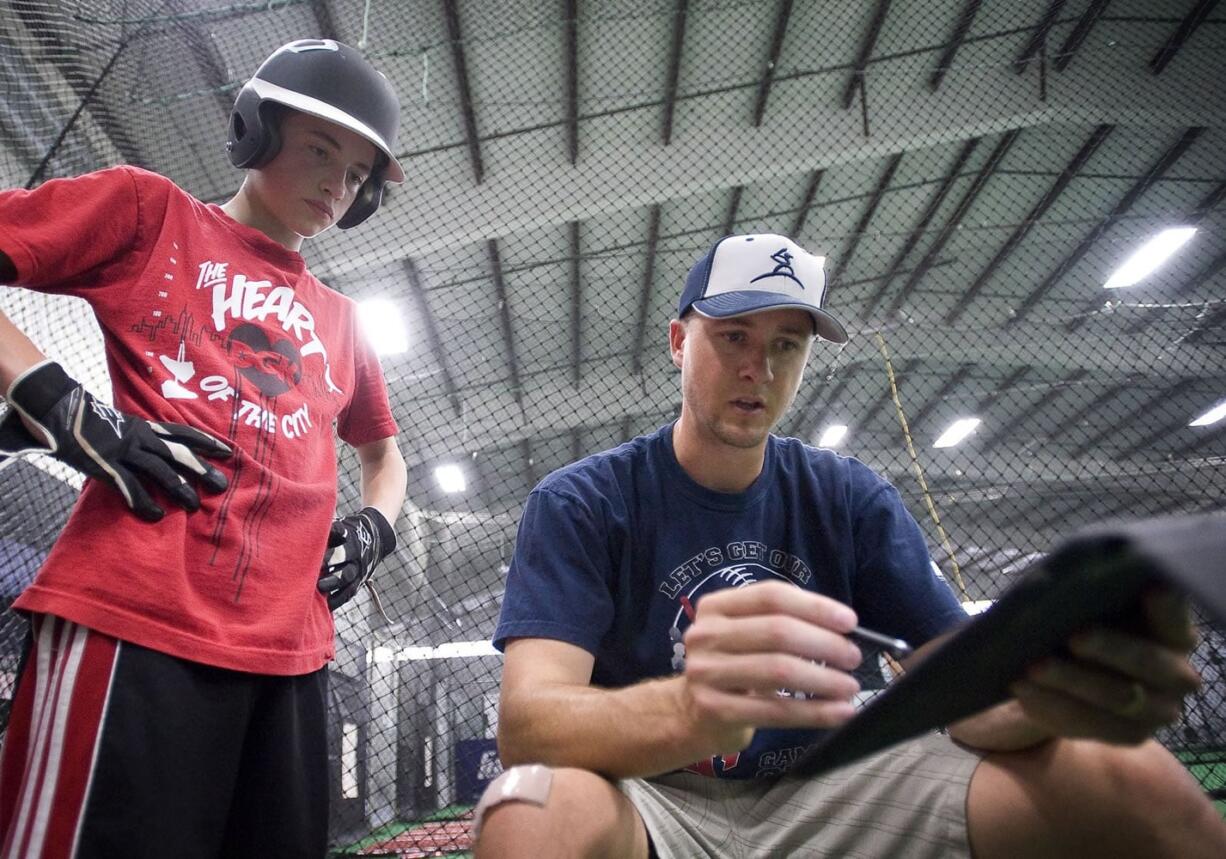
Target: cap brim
[729, 304]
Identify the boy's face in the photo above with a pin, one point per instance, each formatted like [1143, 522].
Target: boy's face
[739, 375]
[314, 178]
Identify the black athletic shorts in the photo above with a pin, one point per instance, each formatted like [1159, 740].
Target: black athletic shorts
[116, 750]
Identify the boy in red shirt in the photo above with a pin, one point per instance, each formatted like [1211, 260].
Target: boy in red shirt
[173, 701]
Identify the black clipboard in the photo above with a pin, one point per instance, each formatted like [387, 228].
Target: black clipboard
[1095, 577]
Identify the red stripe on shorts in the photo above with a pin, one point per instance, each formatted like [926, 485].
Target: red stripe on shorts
[51, 744]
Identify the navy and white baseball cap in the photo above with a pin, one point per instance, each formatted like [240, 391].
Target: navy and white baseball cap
[749, 274]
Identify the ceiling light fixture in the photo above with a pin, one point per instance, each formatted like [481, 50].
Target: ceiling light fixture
[450, 478]
[957, 431]
[1212, 416]
[832, 435]
[383, 325]
[1150, 256]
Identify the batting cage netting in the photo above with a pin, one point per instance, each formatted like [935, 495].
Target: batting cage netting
[974, 172]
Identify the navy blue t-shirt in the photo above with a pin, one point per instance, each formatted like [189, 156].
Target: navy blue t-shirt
[615, 551]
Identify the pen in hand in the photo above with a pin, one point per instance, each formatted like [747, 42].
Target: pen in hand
[896, 647]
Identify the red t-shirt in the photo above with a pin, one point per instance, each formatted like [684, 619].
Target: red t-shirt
[209, 323]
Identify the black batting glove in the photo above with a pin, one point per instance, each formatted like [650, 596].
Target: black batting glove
[356, 544]
[119, 449]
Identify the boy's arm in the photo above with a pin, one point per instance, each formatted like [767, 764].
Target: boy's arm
[17, 351]
[51, 413]
[384, 477]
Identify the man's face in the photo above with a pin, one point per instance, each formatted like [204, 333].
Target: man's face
[739, 375]
[316, 175]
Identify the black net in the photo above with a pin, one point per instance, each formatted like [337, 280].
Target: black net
[974, 172]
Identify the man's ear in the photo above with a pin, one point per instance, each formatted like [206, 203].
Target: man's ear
[676, 341]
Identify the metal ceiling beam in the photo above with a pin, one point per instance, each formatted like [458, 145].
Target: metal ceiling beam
[525, 453]
[1038, 36]
[1180, 36]
[856, 81]
[1053, 474]
[1032, 217]
[1075, 39]
[917, 232]
[116, 132]
[1207, 204]
[734, 203]
[969, 11]
[987, 441]
[1210, 271]
[493, 417]
[939, 397]
[1206, 274]
[883, 185]
[984, 403]
[1208, 435]
[208, 59]
[324, 22]
[1148, 406]
[806, 203]
[674, 69]
[617, 175]
[437, 348]
[455, 36]
[570, 15]
[576, 304]
[772, 59]
[649, 270]
[504, 316]
[1103, 397]
[1159, 167]
[1213, 320]
[981, 179]
[1167, 429]
[886, 395]
[799, 417]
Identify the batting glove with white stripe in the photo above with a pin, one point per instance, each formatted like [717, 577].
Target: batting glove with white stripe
[356, 544]
[103, 442]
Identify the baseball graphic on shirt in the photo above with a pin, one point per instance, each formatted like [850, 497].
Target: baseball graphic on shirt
[181, 370]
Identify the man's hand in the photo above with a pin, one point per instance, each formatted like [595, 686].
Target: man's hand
[1117, 687]
[768, 655]
[52, 414]
[356, 544]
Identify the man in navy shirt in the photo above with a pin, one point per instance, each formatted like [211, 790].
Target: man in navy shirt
[675, 628]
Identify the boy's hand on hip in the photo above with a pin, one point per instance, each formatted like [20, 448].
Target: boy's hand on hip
[50, 413]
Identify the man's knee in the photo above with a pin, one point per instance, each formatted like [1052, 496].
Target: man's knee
[533, 810]
[1076, 797]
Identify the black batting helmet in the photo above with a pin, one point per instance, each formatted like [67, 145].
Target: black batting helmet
[324, 78]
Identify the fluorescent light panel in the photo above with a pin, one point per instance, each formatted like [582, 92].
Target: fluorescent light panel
[1150, 256]
[450, 478]
[384, 326]
[832, 435]
[450, 650]
[1212, 416]
[957, 431]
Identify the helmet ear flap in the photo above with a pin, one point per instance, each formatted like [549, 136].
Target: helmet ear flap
[254, 136]
[369, 196]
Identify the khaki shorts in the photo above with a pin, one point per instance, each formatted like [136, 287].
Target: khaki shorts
[908, 801]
